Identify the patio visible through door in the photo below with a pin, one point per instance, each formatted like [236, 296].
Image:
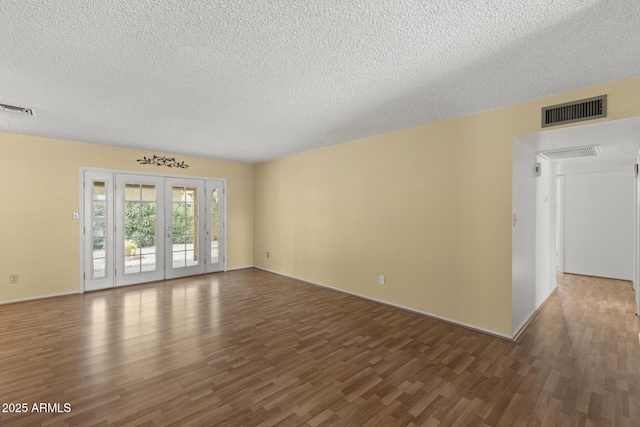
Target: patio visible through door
[140, 228]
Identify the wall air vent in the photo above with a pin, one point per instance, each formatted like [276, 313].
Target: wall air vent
[571, 153]
[17, 110]
[577, 111]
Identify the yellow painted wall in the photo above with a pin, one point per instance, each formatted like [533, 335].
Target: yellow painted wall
[428, 207]
[40, 190]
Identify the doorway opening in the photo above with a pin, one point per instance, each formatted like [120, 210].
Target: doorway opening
[142, 227]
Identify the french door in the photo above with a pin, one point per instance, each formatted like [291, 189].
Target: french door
[139, 215]
[193, 231]
[141, 228]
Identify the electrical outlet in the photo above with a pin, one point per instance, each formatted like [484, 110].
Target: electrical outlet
[381, 279]
[266, 254]
[13, 278]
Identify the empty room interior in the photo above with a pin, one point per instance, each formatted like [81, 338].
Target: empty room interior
[323, 213]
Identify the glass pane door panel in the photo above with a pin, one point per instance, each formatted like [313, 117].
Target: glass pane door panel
[184, 226]
[214, 221]
[215, 225]
[140, 228]
[98, 230]
[183, 239]
[139, 215]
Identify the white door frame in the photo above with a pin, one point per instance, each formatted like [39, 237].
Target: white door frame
[81, 235]
[636, 229]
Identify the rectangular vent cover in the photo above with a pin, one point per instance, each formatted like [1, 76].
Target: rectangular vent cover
[17, 110]
[577, 111]
[571, 153]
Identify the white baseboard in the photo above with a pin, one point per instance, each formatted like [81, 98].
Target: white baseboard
[530, 317]
[526, 320]
[239, 268]
[426, 313]
[40, 297]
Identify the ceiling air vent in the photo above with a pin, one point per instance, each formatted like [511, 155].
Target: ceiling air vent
[571, 153]
[17, 110]
[577, 111]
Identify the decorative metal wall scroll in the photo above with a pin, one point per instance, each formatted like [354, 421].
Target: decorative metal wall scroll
[169, 162]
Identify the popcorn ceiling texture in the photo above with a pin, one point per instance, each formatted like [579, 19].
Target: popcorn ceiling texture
[252, 80]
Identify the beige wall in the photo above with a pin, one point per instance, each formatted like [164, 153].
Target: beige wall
[40, 190]
[429, 207]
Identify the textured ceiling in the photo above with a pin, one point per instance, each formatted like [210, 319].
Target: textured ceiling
[251, 80]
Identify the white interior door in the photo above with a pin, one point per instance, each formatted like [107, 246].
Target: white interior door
[139, 247]
[98, 230]
[184, 231]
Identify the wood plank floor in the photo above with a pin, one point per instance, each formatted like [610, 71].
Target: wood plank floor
[250, 348]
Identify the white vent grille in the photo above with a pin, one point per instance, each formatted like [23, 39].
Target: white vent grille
[571, 153]
[17, 110]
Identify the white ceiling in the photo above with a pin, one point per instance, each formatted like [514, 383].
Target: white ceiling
[251, 80]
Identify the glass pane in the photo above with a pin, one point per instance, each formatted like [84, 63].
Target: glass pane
[178, 222]
[177, 194]
[146, 250]
[132, 264]
[98, 209]
[214, 251]
[149, 262]
[98, 245]
[148, 244]
[148, 210]
[131, 209]
[130, 228]
[98, 228]
[98, 268]
[149, 193]
[132, 192]
[140, 223]
[178, 209]
[130, 247]
[178, 259]
[190, 210]
[189, 226]
[177, 228]
[191, 195]
[191, 258]
[98, 190]
[184, 226]
[214, 225]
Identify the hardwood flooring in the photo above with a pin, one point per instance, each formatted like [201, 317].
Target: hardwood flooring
[251, 348]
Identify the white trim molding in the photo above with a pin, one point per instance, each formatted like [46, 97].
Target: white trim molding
[242, 267]
[61, 294]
